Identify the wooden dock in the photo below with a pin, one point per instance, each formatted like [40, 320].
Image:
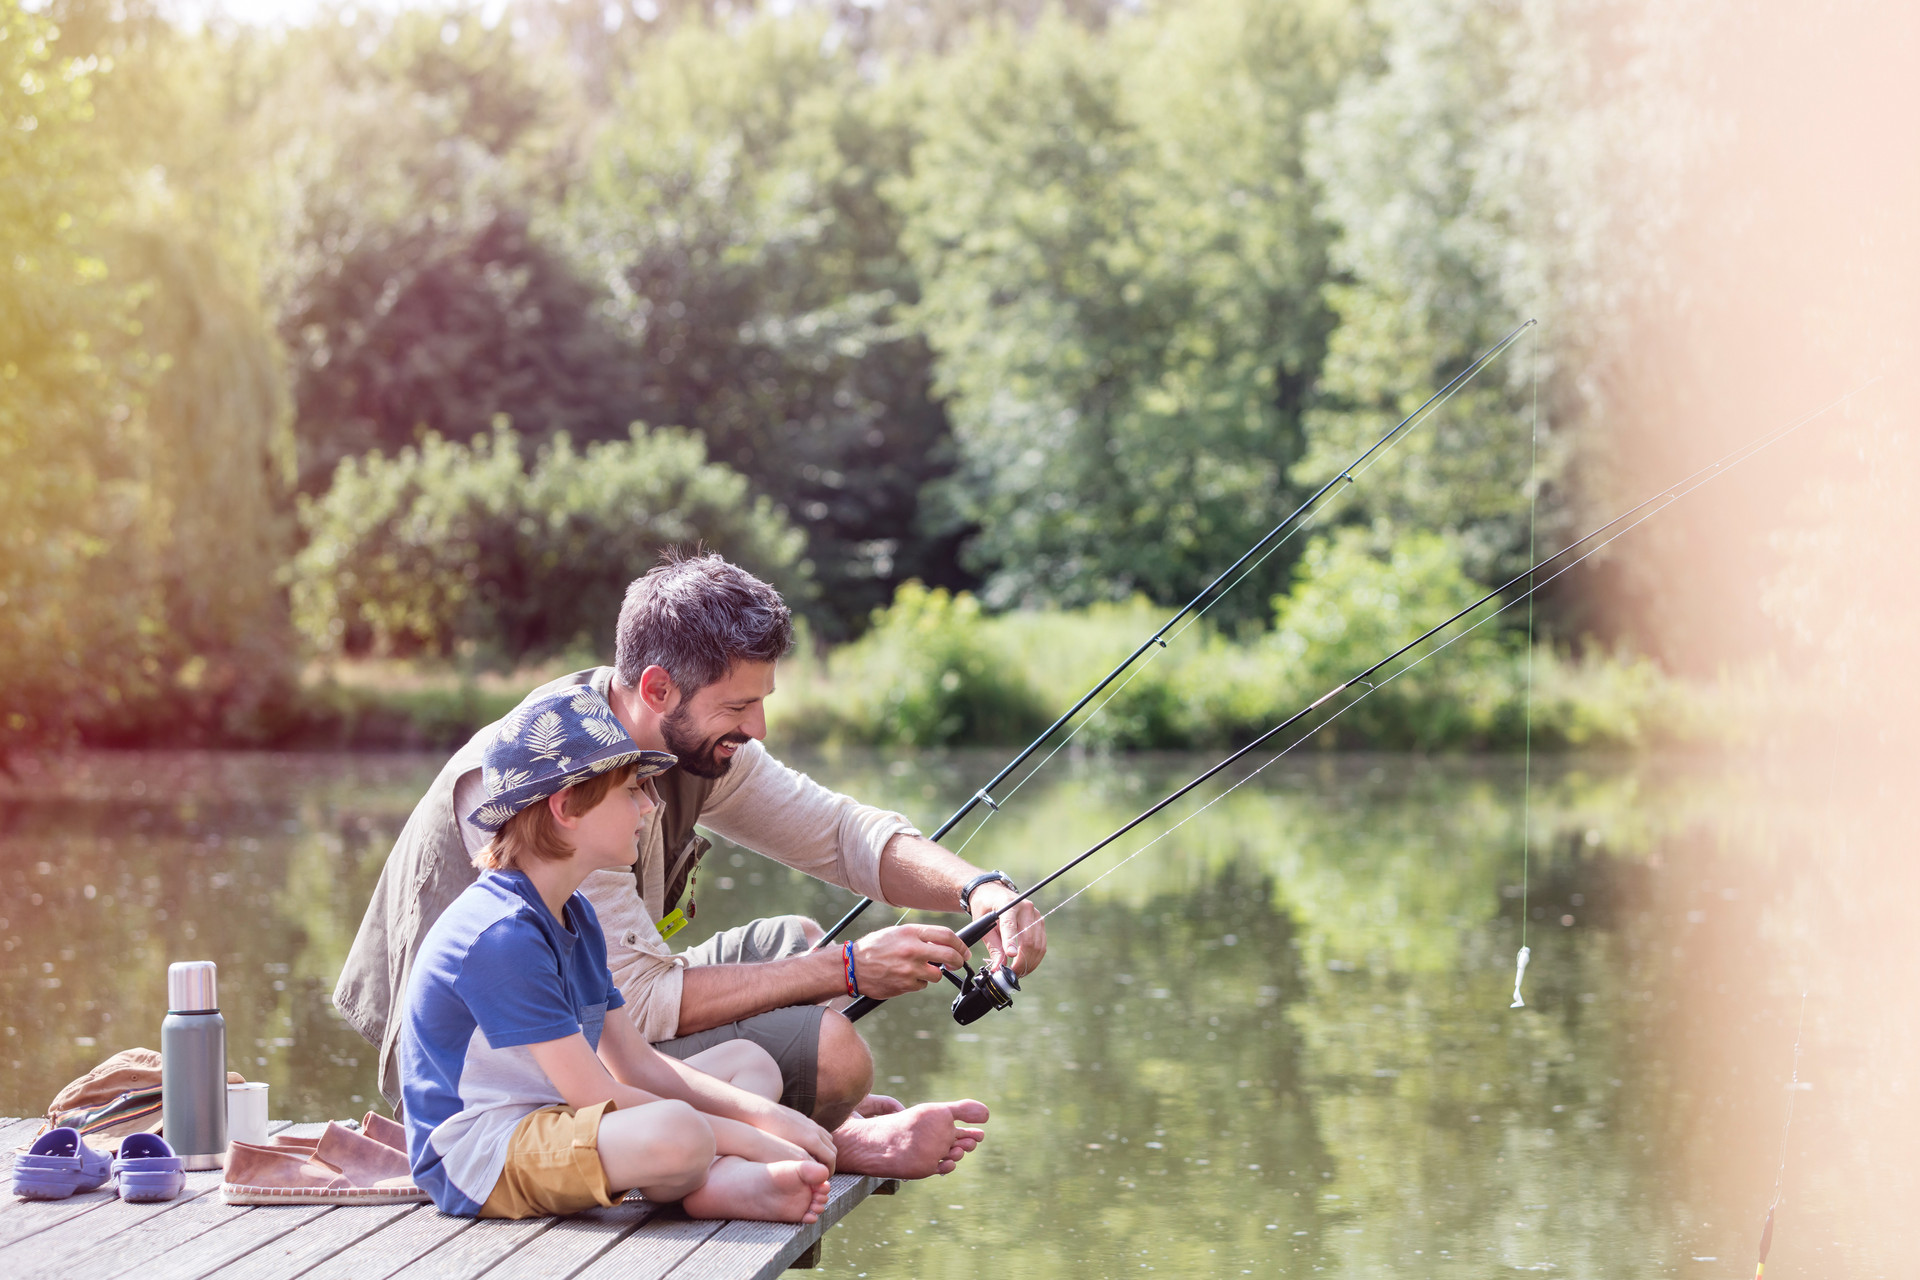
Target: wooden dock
[196, 1236]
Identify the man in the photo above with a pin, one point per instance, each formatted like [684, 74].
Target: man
[694, 664]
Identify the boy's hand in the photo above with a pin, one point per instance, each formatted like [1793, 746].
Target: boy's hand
[795, 1129]
[732, 1138]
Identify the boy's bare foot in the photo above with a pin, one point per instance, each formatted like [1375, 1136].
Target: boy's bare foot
[914, 1142]
[785, 1191]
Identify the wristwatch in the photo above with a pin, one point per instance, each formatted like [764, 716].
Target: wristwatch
[967, 891]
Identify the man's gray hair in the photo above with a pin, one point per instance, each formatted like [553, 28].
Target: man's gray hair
[697, 615]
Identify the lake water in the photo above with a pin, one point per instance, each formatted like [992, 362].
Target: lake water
[1277, 1042]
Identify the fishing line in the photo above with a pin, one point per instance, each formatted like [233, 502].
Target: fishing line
[1526, 786]
[1432, 406]
[1373, 687]
[1780, 1178]
[978, 928]
[1793, 1087]
[1260, 549]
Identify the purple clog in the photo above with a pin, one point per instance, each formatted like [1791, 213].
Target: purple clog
[58, 1164]
[147, 1170]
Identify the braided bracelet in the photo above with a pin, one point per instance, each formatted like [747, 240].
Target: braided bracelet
[846, 955]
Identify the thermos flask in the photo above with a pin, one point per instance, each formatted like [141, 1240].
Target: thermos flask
[193, 1067]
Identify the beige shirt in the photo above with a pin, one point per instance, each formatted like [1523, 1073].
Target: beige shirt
[760, 803]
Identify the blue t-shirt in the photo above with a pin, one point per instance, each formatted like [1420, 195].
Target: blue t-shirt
[496, 973]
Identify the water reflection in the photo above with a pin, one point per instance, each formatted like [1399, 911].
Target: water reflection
[1277, 1042]
[125, 863]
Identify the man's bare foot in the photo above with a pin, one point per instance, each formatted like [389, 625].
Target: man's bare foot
[878, 1104]
[915, 1142]
[785, 1191]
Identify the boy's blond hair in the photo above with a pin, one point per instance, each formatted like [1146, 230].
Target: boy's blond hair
[533, 834]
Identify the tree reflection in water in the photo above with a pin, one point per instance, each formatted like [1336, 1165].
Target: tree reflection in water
[1277, 1041]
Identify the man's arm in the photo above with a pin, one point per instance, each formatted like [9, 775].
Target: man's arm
[887, 963]
[916, 872]
[787, 816]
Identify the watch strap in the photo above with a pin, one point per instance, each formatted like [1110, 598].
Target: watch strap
[966, 893]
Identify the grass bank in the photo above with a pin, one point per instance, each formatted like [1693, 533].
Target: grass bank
[936, 671]
[405, 704]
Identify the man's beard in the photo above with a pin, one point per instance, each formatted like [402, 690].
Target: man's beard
[696, 756]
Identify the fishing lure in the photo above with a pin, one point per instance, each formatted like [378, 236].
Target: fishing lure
[1519, 972]
[1780, 1177]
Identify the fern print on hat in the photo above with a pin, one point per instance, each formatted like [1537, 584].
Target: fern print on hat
[549, 743]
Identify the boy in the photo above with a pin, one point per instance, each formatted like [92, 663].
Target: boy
[521, 1096]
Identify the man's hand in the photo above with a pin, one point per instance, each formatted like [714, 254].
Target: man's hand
[907, 957]
[1020, 938]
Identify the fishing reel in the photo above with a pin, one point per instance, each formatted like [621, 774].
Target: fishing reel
[989, 989]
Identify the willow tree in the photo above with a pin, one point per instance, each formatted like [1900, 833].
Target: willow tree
[67, 408]
[142, 456]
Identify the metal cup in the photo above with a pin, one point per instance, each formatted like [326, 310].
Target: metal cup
[247, 1112]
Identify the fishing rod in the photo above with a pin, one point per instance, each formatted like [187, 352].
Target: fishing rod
[985, 794]
[993, 988]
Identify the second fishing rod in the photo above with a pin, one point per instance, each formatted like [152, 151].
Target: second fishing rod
[993, 988]
[1259, 549]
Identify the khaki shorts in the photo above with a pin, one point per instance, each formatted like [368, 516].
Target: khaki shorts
[790, 1035]
[553, 1165]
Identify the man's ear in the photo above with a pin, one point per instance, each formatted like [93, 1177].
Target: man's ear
[657, 690]
[557, 806]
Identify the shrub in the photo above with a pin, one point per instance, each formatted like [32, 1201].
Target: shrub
[1351, 605]
[936, 671]
[929, 673]
[452, 548]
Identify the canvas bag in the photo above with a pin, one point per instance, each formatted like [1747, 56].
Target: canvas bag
[118, 1097]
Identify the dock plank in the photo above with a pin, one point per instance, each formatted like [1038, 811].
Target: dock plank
[343, 1228]
[412, 1235]
[653, 1251]
[573, 1243]
[485, 1244]
[243, 1230]
[762, 1250]
[14, 1136]
[98, 1238]
[22, 1218]
[197, 1236]
[143, 1244]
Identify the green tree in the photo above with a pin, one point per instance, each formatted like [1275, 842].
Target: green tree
[67, 404]
[412, 152]
[1461, 165]
[451, 549]
[197, 434]
[733, 212]
[1122, 269]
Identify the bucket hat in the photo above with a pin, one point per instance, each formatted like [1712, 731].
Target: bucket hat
[550, 742]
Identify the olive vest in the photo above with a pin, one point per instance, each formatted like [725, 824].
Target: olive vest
[682, 796]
